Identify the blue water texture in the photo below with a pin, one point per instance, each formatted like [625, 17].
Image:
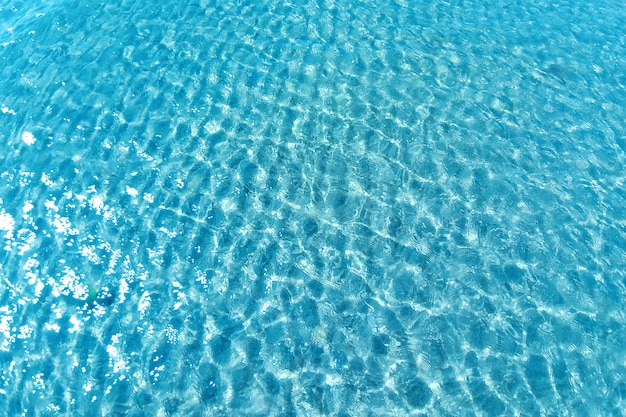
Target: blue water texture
[312, 208]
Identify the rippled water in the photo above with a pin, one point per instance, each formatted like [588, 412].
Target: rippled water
[312, 208]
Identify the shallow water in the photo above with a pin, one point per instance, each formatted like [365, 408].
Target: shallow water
[312, 208]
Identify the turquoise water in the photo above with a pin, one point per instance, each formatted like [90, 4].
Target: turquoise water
[347, 208]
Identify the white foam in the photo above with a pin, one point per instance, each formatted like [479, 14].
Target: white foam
[53, 327]
[116, 359]
[132, 191]
[31, 266]
[172, 334]
[89, 252]
[64, 226]
[148, 197]
[96, 203]
[45, 178]
[70, 284]
[39, 286]
[7, 224]
[28, 138]
[27, 239]
[50, 204]
[25, 332]
[123, 290]
[5, 330]
[144, 302]
[28, 206]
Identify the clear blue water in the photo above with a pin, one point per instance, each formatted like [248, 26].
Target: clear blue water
[227, 208]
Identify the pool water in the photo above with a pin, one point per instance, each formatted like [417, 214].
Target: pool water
[307, 208]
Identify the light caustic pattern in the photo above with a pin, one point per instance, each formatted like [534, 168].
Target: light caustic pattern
[321, 208]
